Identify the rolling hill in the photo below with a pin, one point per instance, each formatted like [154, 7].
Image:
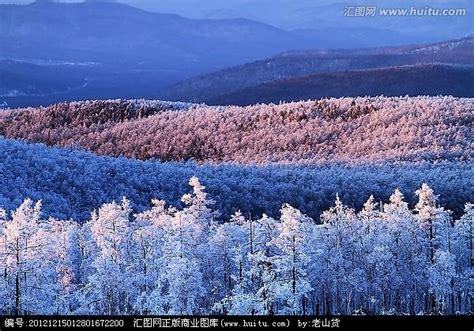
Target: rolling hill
[348, 130]
[393, 81]
[296, 66]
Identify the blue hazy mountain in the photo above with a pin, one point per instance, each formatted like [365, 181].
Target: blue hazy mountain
[53, 51]
[433, 69]
[111, 49]
[326, 14]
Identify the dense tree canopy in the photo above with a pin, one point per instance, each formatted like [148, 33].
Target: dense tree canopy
[72, 183]
[351, 130]
[384, 259]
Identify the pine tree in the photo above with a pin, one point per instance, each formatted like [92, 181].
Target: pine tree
[28, 272]
[148, 240]
[292, 261]
[409, 262]
[108, 285]
[463, 250]
[228, 246]
[262, 270]
[436, 224]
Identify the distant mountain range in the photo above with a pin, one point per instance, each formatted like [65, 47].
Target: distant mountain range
[328, 15]
[108, 49]
[394, 81]
[432, 69]
[113, 33]
[52, 51]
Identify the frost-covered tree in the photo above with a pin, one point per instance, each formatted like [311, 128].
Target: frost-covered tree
[408, 258]
[198, 210]
[181, 261]
[262, 271]
[229, 275]
[148, 239]
[28, 269]
[463, 251]
[107, 287]
[436, 224]
[336, 256]
[441, 275]
[179, 288]
[434, 220]
[291, 263]
[4, 304]
[184, 262]
[65, 255]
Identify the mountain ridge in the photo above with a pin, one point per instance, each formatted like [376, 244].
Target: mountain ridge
[346, 130]
[130, 47]
[412, 80]
[215, 85]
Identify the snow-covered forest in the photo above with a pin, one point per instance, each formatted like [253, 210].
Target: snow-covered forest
[72, 183]
[298, 208]
[386, 258]
[351, 130]
[195, 166]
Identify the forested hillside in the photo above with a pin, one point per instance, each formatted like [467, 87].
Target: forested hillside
[72, 183]
[393, 81]
[217, 87]
[352, 130]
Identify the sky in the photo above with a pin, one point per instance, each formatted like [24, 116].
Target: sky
[312, 14]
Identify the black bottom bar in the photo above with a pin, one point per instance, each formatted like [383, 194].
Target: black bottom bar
[458, 323]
